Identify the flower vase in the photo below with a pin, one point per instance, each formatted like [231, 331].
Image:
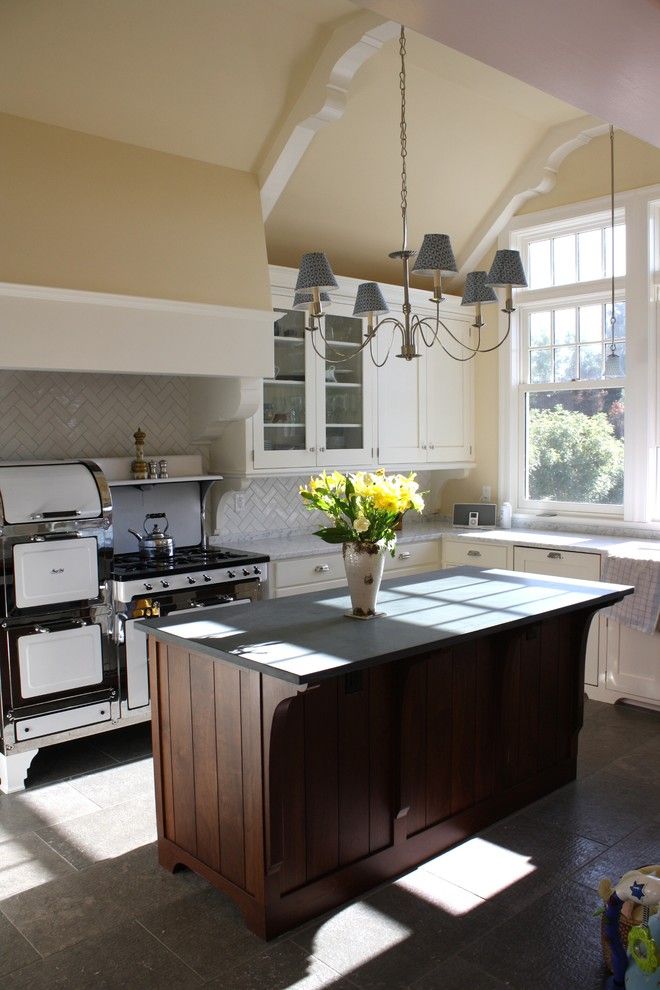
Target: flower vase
[364, 564]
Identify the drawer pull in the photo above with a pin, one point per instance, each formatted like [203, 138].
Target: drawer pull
[322, 568]
[404, 555]
[474, 553]
[555, 555]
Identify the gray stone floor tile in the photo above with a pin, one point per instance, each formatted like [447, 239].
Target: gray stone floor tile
[282, 966]
[553, 944]
[125, 957]
[639, 848]
[458, 974]
[105, 834]
[80, 905]
[27, 862]
[15, 950]
[118, 783]
[206, 930]
[27, 811]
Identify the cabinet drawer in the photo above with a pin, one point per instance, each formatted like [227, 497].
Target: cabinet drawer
[563, 563]
[413, 555]
[309, 571]
[461, 552]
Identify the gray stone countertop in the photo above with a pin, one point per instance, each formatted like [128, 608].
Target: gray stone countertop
[285, 547]
[307, 638]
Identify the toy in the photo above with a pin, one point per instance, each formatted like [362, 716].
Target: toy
[635, 966]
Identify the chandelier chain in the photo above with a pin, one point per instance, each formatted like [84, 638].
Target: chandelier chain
[403, 135]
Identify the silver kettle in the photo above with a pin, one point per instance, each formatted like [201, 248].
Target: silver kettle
[155, 543]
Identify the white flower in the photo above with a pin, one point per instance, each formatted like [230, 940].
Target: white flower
[361, 524]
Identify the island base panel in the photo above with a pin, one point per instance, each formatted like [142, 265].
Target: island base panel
[294, 799]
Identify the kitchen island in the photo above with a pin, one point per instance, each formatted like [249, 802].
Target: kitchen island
[301, 757]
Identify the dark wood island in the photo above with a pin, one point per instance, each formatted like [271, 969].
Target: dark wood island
[302, 758]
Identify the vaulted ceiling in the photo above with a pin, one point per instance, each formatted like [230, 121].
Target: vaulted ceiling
[304, 94]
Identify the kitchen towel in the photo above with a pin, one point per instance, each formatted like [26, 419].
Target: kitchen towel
[640, 567]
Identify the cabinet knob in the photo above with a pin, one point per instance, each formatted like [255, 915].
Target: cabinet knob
[322, 568]
[474, 553]
[322, 450]
[431, 446]
[312, 449]
[555, 555]
[423, 446]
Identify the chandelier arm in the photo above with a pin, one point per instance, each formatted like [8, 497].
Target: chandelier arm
[396, 324]
[330, 354]
[437, 339]
[489, 350]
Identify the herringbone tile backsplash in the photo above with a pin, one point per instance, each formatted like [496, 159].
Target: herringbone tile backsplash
[60, 415]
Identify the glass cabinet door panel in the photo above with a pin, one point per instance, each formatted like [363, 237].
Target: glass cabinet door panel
[344, 385]
[284, 394]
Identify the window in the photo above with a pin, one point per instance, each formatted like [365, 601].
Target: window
[568, 437]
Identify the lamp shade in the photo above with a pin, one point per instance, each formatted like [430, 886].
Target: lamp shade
[302, 300]
[507, 269]
[476, 290]
[435, 255]
[369, 299]
[613, 365]
[315, 273]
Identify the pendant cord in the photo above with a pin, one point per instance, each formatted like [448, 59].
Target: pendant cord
[403, 138]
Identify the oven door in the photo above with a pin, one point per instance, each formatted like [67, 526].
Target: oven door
[55, 571]
[134, 668]
[59, 663]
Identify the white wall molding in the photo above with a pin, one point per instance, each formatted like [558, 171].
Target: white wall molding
[537, 175]
[53, 329]
[322, 100]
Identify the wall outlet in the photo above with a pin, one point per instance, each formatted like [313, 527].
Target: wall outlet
[485, 493]
[239, 501]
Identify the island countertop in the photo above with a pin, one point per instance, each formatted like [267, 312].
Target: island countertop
[307, 638]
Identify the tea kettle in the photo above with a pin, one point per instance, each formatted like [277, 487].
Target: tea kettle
[155, 543]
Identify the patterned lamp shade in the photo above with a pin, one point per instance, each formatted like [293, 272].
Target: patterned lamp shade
[302, 300]
[369, 299]
[315, 273]
[613, 365]
[507, 269]
[476, 290]
[435, 255]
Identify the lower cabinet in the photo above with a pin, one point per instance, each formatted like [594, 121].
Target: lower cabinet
[632, 662]
[325, 571]
[476, 553]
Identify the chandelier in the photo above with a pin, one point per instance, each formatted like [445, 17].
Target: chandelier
[435, 259]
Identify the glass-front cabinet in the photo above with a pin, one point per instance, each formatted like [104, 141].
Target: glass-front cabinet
[316, 409]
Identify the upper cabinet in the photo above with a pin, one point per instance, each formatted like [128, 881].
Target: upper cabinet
[337, 409]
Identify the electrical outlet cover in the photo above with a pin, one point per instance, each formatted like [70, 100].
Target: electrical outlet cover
[239, 501]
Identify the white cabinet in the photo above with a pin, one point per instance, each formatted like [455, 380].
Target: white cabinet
[425, 405]
[475, 553]
[632, 662]
[572, 564]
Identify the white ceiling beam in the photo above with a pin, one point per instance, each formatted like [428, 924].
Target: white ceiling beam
[321, 101]
[537, 175]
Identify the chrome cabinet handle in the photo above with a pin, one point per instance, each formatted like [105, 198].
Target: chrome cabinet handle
[322, 568]
[431, 446]
[312, 449]
[555, 555]
[423, 446]
[404, 554]
[322, 449]
[41, 629]
[474, 553]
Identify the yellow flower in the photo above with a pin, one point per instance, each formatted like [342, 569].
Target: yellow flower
[361, 524]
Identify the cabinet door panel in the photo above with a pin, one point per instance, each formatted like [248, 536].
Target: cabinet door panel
[401, 407]
[633, 662]
[449, 399]
[344, 410]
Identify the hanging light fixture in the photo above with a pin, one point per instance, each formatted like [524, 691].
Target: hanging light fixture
[435, 259]
[613, 367]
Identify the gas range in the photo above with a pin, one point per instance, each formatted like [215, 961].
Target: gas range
[190, 568]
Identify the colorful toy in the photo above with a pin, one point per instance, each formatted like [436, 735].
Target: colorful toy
[635, 966]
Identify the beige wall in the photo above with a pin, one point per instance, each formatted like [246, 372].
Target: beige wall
[583, 175]
[83, 212]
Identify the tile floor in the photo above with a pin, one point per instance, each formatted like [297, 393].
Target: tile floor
[83, 902]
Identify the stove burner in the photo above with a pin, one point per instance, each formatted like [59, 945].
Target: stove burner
[128, 566]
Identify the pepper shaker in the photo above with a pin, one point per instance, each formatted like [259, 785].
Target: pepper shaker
[153, 469]
[162, 469]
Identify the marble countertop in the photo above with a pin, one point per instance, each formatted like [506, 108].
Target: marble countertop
[285, 547]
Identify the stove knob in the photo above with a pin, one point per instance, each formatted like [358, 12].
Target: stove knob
[165, 584]
[190, 579]
[231, 574]
[257, 570]
[246, 572]
[207, 577]
[148, 587]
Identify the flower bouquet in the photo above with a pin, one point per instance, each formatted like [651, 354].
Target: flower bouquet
[365, 508]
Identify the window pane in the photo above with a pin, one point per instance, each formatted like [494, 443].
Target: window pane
[575, 446]
[539, 329]
[540, 269]
[540, 366]
[620, 325]
[619, 250]
[591, 361]
[591, 323]
[565, 326]
[590, 257]
[565, 364]
[563, 256]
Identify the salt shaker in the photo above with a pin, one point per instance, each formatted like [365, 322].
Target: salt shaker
[162, 469]
[153, 469]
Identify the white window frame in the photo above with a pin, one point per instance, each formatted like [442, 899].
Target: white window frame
[641, 288]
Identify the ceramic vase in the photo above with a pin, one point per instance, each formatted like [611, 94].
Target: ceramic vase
[364, 564]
